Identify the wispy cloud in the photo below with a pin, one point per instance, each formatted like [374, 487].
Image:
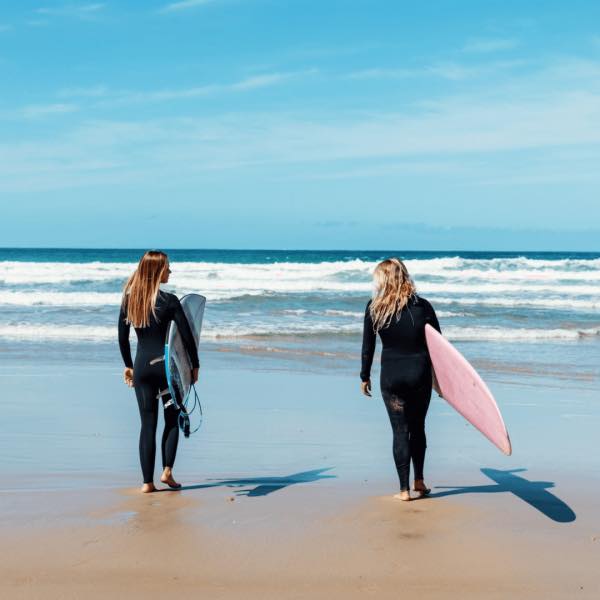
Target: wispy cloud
[406, 168]
[183, 5]
[37, 111]
[451, 71]
[124, 97]
[95, 91]
[267, 80]
[77, 11]
[486, 46]
[192, 148]
[557, 107]
[4, 27]
[454, 71]
[384, 73]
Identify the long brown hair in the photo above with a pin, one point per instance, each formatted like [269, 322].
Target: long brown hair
[141, 290]
[393, 289]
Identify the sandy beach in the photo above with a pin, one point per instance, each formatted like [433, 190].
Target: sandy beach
[302, 541]
[274, 507]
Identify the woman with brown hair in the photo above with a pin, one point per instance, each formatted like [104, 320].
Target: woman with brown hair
[399, 315]
[150, 310]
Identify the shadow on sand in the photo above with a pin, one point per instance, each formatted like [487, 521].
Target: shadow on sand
[262, 486]
[535, 493]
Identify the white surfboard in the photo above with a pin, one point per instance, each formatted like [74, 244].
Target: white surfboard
[177, 362]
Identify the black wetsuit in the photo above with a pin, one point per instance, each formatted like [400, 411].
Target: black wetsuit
[405, 380]
[149, 378]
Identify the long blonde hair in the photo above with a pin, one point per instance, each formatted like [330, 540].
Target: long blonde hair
[141, 290]
[393, 289]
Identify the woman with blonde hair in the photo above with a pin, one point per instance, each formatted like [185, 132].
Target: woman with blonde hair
[150, 310]
[399, 315]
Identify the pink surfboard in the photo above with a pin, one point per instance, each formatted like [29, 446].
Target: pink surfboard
[465, 391]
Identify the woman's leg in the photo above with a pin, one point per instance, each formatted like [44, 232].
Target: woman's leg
[148, 406]
[170, 437]
[417, 408]
[395, 406]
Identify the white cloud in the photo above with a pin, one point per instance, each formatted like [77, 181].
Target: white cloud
[407, 167]
[78, 11]
[37, 23]
[454, 71]
[260, 81]
[451, 71]
[485, 46]
[183, 5]
[95, 91]
[36, 111]
[188, 148]
[557, 107]
[384, 73]
[125, 97]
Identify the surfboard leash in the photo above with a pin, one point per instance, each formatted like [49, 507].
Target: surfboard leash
[184, 414]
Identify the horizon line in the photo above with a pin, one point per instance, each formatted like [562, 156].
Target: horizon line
[219, 249]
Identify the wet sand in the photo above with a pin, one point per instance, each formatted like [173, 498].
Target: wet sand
[308, 540]
[288, 495]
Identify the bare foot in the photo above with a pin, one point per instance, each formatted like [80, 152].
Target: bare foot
[404, 496]
[421, 488]
[147, 488]
[167, 477]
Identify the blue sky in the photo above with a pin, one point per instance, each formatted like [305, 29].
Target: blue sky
[301, 124]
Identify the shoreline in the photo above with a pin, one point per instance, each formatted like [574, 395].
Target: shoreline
[288, 494]
[82, 419]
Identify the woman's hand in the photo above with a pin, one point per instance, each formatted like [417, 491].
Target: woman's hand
[365, 388]
[195, 375]
[128, 376]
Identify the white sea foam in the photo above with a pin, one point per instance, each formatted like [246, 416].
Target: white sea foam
[517, 334]
[107, 299]
[556, 276]
[448, 314]
[518, 294]
[47, 332]
[509, 288]
[442, 314]
[72, 299]
[15, 272]
[454, 268]
[344, 313]
[327, 312]
[523, 301]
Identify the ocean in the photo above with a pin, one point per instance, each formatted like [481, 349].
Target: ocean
[514, 315]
